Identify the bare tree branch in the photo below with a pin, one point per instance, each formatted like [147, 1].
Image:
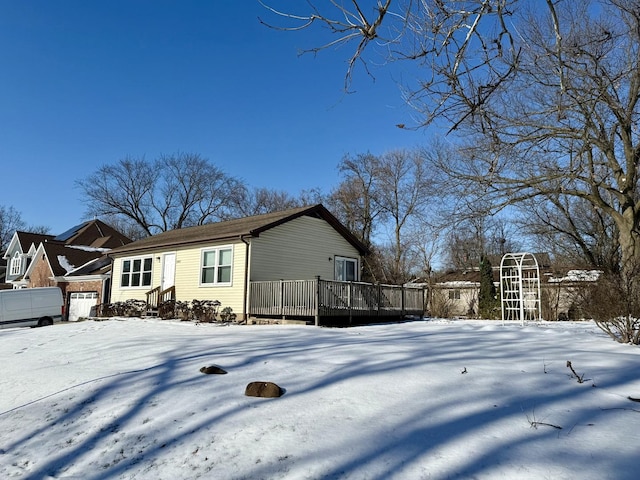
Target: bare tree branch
[348, 26]
[175, 191]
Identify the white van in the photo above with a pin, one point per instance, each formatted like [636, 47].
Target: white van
[30, 307]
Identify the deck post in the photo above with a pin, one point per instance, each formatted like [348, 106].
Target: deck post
[350, 302]
[282, 298]
[317, 305]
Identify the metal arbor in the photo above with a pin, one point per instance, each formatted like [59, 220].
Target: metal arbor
[520, 287]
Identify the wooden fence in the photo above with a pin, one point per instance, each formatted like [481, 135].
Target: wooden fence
[319, 299]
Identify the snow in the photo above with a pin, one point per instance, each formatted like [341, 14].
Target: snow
[579, 276]
[87, 248]
[64, 263]
[459, 284]
[124, 398]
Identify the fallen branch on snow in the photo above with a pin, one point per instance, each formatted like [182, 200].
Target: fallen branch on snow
[537, 424]
[579, 377]
[621, 408]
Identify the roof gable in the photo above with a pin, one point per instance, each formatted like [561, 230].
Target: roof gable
[237, 229]
[24, 241]
[65, 259]
[93, 233]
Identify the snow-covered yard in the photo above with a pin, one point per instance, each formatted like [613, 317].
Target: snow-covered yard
[427, 399]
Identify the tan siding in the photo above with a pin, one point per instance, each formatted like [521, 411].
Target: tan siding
[137, 293]
[187, 278]
[298, 250]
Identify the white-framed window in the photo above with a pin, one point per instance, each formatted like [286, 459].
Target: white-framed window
[16, 263]
[346, 269]
[216, 266]
[454, 294]
[136, 272]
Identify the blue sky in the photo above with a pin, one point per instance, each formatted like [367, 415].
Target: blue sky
[85, 83]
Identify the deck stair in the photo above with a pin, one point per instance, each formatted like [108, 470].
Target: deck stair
[157, 297]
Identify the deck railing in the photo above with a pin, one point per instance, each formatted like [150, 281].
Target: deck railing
[319, 298]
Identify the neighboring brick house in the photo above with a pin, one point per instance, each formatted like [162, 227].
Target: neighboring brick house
[75, 261]
[18, 256]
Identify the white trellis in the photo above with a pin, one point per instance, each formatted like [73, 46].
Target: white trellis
[520, 287]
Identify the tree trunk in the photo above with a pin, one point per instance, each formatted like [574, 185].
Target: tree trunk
[629, 239]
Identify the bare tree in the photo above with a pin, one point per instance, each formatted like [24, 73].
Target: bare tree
[171, 192]
[348, 25]
[476, 237]
[467, 48]
[356, 199]
[10, 221]
[573, 231]
[402, 182]
[193, 191]
[546, 93]
[382, 200]
[263, 200]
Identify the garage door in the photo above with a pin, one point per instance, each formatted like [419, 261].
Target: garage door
[80, 304]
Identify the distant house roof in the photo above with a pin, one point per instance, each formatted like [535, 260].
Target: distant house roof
[98, 266]
[93, 233]
[27, 239]
[234, 229]
[464, 276]
[65, 259]
[471, 278]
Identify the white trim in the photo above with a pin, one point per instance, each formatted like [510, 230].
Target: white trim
[15, 241]
[356, 268]
[32, 258]
[216, 266]
[15, 265]
[82, 278]
[141, 286]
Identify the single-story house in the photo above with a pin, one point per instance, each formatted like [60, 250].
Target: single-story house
[250, 265]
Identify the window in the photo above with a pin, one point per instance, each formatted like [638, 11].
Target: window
[454, 294]
[216, 266]
[136, 272]
[346, 269]
[16, 263]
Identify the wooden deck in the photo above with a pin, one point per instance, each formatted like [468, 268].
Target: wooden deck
[326, 301]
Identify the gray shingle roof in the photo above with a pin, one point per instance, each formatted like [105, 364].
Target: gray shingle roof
[234, 229]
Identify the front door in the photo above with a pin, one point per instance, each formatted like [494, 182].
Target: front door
[168, 271]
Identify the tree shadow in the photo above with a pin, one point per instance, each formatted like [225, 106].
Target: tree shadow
[403, 442]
